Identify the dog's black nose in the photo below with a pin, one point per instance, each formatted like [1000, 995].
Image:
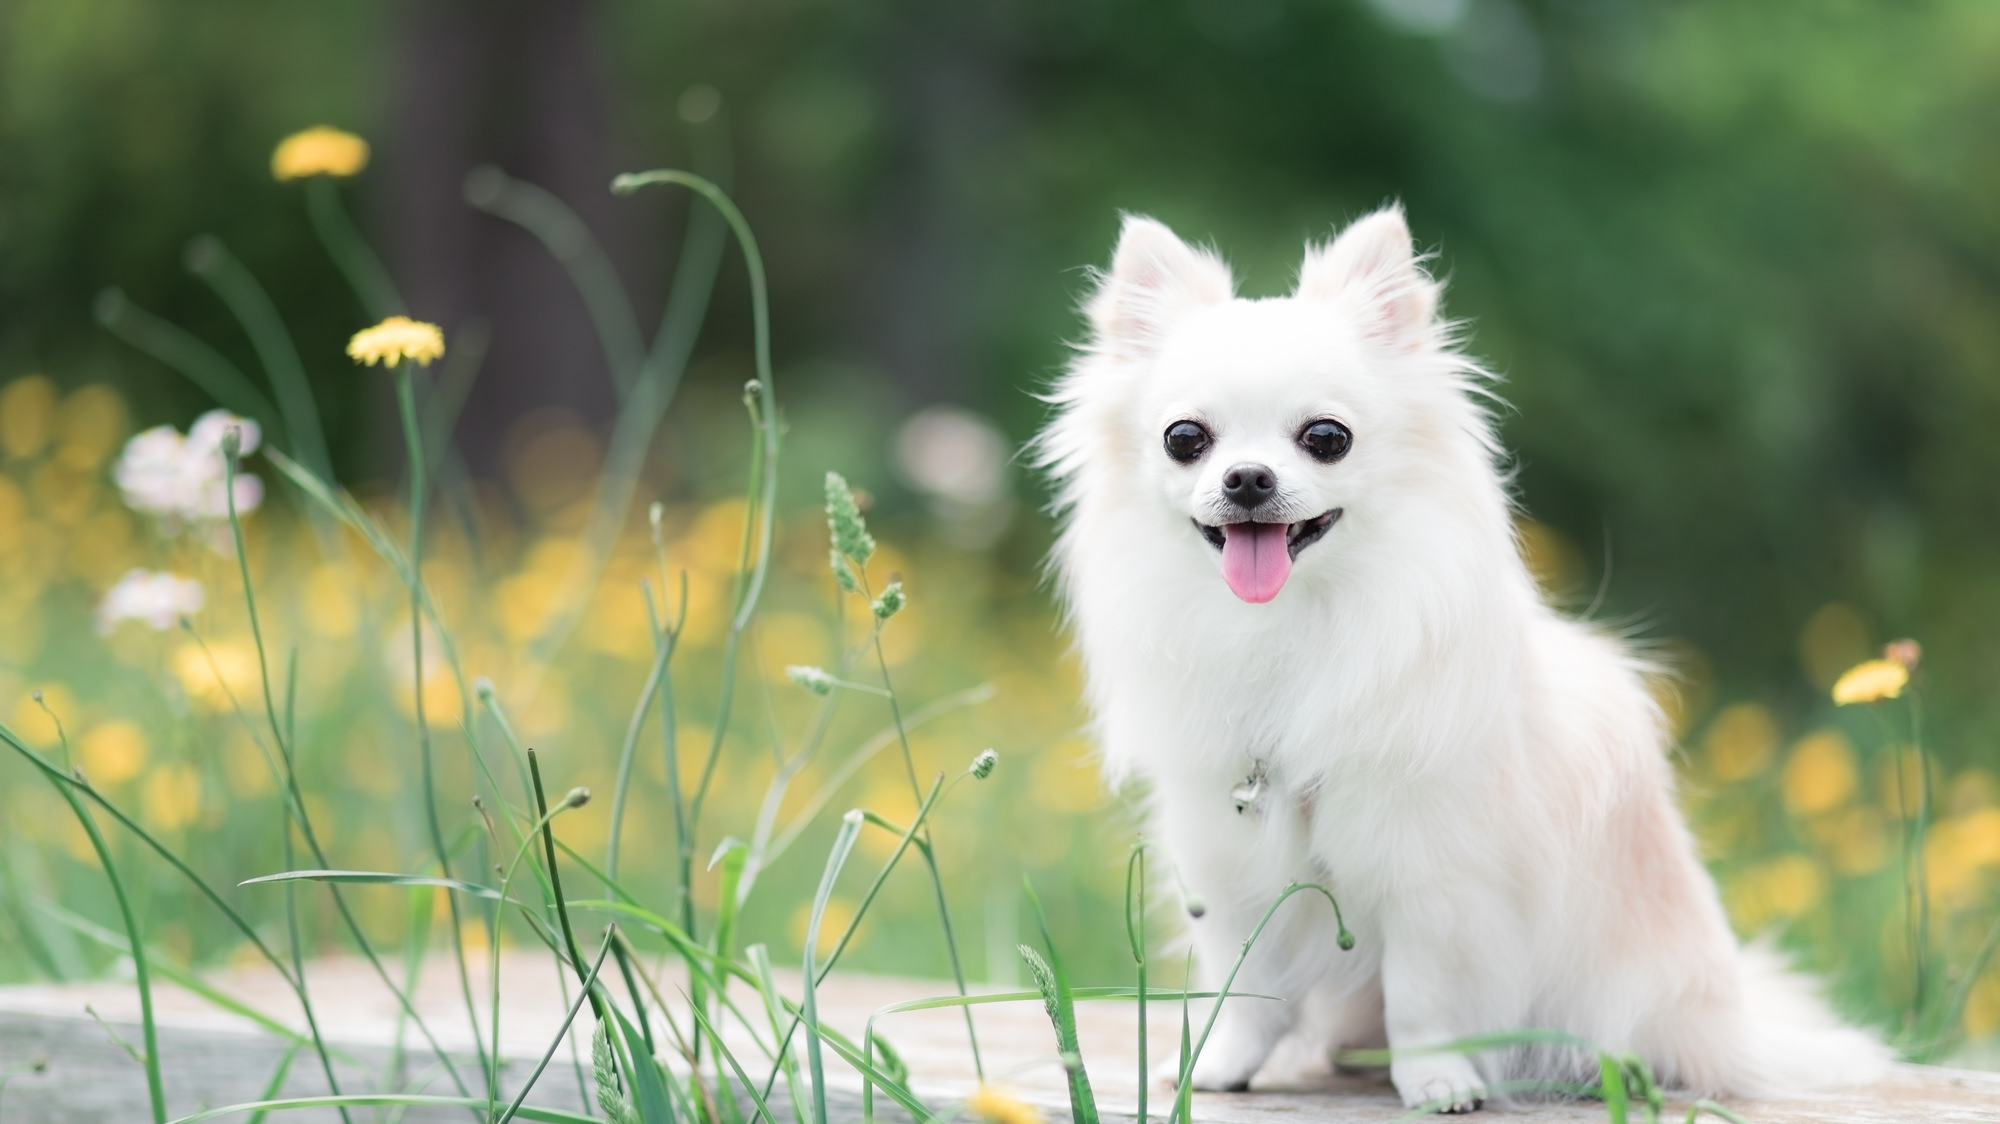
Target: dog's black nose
[1247, 485]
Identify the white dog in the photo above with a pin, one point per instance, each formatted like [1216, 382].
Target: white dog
[1289, 556]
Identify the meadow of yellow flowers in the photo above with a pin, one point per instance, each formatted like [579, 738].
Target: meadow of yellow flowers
[121, 615]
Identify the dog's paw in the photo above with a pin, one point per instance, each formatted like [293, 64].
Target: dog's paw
[1223, 1067]
[1438, 1083]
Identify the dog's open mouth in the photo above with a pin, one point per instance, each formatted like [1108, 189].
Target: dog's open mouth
[1257, 557]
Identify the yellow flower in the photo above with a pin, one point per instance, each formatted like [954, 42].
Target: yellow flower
[1871, 681]
[1819, 775]
[319, 151]
[995, 1107]
[396, 339]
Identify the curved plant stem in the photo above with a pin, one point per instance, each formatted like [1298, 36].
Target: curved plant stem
[662, 653]
[209, 260]
[197, 362]
[930, 859]
[156, 1092]
[568, 240]
[406, 405]
[350, 252]
[243, 926]
[1346, 941]
[638, 423]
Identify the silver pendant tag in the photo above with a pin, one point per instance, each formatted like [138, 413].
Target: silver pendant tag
[1247, 794]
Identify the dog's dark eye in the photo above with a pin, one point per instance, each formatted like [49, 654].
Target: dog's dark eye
[1327, 440]
[1187, 441]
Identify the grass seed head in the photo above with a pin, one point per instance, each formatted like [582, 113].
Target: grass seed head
[891, 601]
[843, 518]
[814, 679]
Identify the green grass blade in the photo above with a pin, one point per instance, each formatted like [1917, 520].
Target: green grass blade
[730, 858]
[852, 1054]
[570, 242]
[1054, 985]
[1713, 1109]
[1135, 937]
[180, 977]
[374, 878]
[150, 1056]
[350, 252]
[649, 1091]
[843, 845]
[383, 1100]
[662, 653]
[48, 769]
[209, 260]
[589, 981]
[195, 361]
[277, 1083]
[1611, 1075]
[783, 1060]
[742, 1078]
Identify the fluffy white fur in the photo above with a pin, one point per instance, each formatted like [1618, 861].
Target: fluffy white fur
[1481, 781]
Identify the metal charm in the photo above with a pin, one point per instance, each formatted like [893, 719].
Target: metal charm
[1250, 791]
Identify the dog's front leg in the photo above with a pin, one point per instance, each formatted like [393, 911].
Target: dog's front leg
[1445, 976]
[1237, 864]
[1246, 1029]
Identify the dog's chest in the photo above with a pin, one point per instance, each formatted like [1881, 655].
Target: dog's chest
[1281, 702]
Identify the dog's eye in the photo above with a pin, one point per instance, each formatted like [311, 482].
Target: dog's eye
[1327, 440]
[1187, 441]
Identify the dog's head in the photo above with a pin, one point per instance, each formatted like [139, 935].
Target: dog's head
[1261, 428]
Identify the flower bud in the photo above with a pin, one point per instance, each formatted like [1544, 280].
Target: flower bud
[891, 602]
[814, 679]
[232, 442]
[483, 687]
[843, 518]
[577, 797]
[983, 765]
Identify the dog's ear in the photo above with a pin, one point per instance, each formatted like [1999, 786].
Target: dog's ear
[1372, 269]
[1155, 280]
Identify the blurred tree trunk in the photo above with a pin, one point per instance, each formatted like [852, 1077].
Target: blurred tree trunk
[518, 84]
[948, 105]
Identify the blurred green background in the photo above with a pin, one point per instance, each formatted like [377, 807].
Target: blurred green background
[1738, 262]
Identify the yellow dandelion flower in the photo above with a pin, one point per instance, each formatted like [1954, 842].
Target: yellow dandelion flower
[995, 1107]
[396, 339]
[318, 151]
[1871, 681]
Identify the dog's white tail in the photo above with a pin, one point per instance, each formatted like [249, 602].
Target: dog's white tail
[1787, 1040]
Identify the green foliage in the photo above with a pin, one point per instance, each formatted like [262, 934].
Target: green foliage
[1743, 300]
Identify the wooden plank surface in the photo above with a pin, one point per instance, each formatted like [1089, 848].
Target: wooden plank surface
[213, 1057]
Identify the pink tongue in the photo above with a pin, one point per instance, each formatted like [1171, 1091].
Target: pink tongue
[1255, 560]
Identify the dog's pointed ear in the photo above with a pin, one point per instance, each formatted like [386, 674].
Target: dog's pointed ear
[1373, 269]
[1155, 280]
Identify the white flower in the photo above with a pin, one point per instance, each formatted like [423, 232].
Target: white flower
[179, 479]
[159, 599]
